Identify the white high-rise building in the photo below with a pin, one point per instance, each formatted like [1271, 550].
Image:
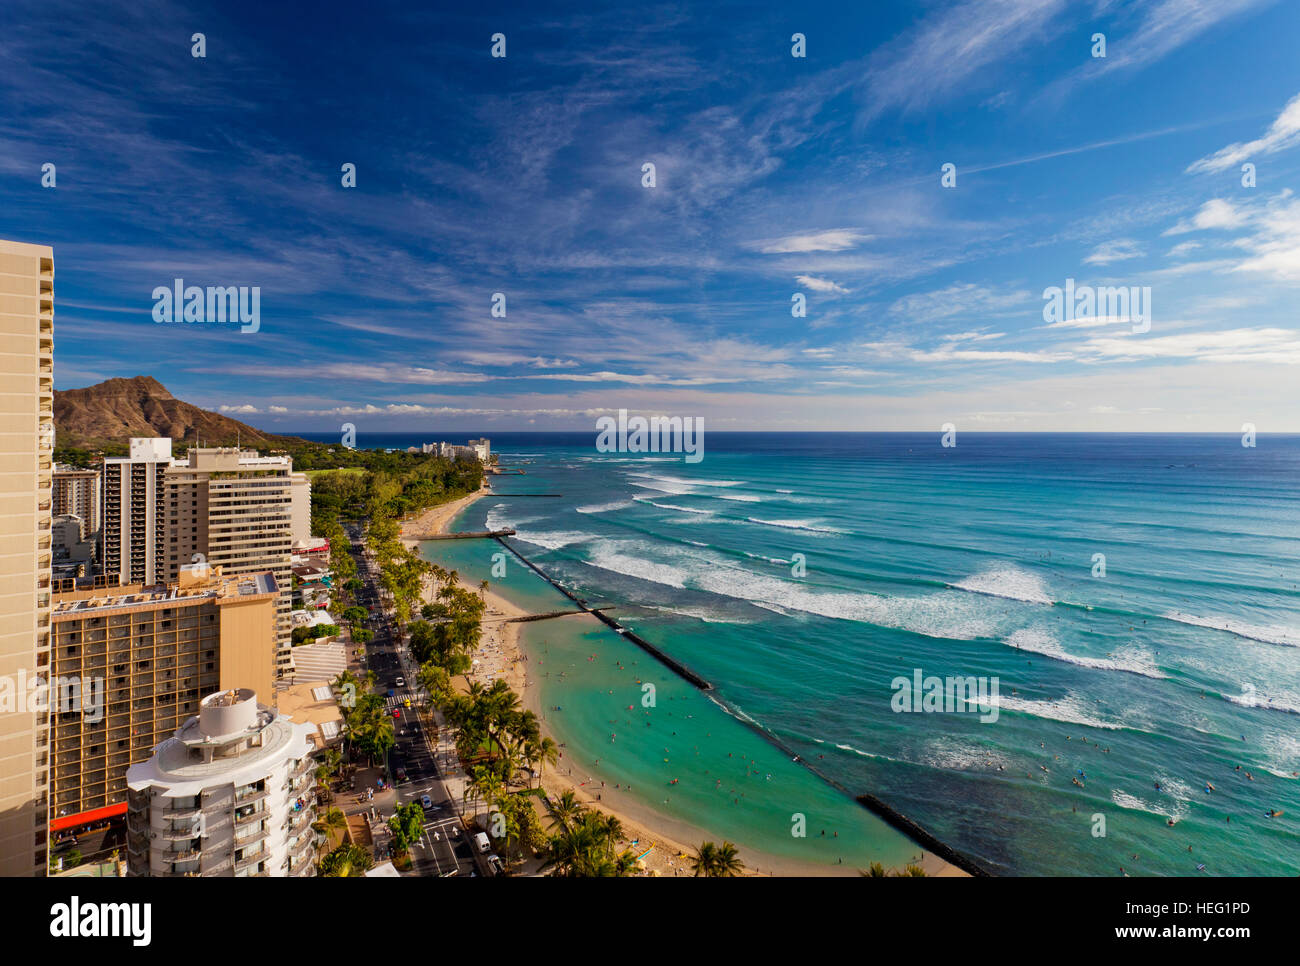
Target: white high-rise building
[233, 793]
[134, 517]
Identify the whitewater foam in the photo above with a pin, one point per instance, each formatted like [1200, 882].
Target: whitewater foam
[1008, 582]
[604, 507]
[1282, 636]
[808, 525]
[943, 615]
[658, 477]
[555, 539]
[1071, 709]
[1134, 660]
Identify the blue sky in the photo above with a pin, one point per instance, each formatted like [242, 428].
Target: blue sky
[775, 175]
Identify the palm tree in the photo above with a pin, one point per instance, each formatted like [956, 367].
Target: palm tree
[332, 820]
[704, 859]
[727, 862]
[875, 871]
[567, 809]
[717, 861]
[612, 830]
[548, 753]
[346, 861]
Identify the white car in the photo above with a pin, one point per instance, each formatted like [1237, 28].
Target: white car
[401, 682]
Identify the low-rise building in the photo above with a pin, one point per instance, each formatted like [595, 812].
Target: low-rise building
[313, 703]
[74, 547]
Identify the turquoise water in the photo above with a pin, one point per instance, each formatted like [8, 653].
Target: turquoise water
[1183, 660]
[729, 783]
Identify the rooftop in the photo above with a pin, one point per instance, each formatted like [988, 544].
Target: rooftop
[313, 703]
[105, 600]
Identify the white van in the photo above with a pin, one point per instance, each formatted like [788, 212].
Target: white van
[482, 842]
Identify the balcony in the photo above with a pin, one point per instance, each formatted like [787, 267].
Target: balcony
[250, 795]
[298, 821]
[241, 821]
[301, 865]
[251, 858]
[177, 834]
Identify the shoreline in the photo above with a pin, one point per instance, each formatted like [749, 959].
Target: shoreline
[501, 655]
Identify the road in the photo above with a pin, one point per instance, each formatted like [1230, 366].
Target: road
[444, 848]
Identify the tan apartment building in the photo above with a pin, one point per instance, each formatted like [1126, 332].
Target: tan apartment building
[26, 471]
[76, 493]
[300, 501]
[141, 659]
[134, 516]
[234, 509]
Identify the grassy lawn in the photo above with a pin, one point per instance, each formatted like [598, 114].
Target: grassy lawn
[312, 474]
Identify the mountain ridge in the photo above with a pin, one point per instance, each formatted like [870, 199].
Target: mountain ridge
[108, 413]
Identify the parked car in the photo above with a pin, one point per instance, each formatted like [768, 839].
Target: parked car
[401, 682]
[426, 803]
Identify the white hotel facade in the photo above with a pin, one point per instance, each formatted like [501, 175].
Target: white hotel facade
[233, 793]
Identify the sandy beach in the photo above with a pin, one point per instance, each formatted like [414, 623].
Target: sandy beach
[500, 655]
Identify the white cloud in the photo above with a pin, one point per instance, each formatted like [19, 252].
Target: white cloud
[834, 240]
[1283, 133]
[964, 298]
[245, 409]
[973, 336]
[1215, 213]
[820, 284]
[1114, 251]
[1232, 345]
[1275, 245]
[1089, 322]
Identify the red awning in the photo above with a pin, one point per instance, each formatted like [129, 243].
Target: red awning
[88, 818]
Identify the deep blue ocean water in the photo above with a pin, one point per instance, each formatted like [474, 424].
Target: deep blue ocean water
[1126, 700]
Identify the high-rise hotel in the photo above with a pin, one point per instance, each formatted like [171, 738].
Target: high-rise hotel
[143, 657]
[217, 506]
[234, 509]
[135, 517]
[26, 474]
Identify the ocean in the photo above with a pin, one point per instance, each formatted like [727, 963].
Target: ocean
[1136, 598]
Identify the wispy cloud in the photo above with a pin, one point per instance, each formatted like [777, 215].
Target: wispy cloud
[833, 240]
[1283, 133]
[1114, 251]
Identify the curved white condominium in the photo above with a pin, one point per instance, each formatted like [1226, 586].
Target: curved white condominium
[231, 794]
